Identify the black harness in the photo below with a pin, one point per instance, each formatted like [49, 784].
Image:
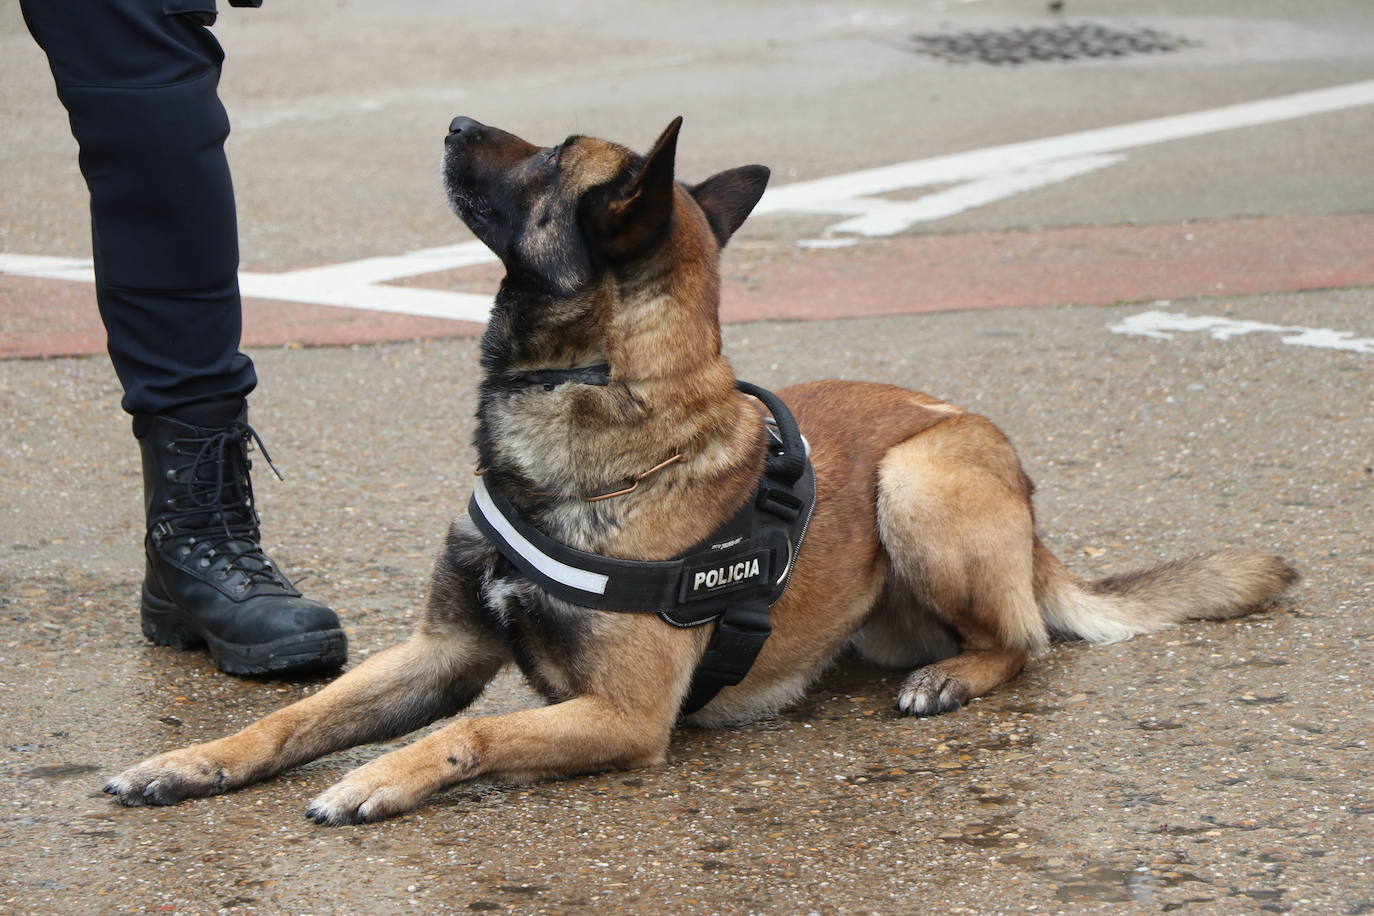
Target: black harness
[732, 577]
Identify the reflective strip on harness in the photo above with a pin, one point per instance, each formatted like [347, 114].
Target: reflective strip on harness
[571, 576]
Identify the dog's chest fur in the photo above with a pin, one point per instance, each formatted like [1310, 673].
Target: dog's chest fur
[541, 442]
[546, 637]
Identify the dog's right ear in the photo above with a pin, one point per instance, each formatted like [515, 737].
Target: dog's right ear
[729, 197]
[636, 217]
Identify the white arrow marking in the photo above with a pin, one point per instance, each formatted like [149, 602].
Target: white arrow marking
[822, 195]
[1159, 325]
[887, 217]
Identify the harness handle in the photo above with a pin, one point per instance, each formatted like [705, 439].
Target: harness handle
[788, 463]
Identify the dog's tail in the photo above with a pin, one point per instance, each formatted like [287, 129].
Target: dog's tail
[1213, 586]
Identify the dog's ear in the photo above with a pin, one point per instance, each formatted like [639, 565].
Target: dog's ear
[728, 198]
[636, 217]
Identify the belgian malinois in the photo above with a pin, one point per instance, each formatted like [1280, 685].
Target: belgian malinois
[922, 550]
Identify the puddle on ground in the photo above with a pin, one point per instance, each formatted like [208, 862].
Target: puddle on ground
[1185, 902]
[1251, 699]
[1111, 885]
[1104, 884]
[1210, 825]
[997, 832]
[1026, 708]
[528, 889]
[1270, 896]
[1158, 725]
[61, 771]
[1176, 830]
[990, 796]
[1257, 663]
[1129, 799]
[1009, 741]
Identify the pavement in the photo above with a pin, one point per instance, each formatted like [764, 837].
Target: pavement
[1173, 322]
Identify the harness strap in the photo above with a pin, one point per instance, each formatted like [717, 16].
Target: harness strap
[738, 640]
[610, 584]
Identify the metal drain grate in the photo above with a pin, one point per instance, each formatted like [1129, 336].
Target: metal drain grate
[1068, 41]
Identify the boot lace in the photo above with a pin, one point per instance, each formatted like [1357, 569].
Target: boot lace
[215, 515]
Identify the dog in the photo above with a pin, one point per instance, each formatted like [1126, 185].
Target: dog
[921, 549]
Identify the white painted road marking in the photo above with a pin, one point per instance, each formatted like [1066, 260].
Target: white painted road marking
[356, 284]
[1162, 325]
[985, 169]
[875, 216]
[980, 177]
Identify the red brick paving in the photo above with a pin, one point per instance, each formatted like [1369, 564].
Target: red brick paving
[1088, 265]
[1073, 266]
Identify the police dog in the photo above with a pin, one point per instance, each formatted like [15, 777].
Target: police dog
[922, 551]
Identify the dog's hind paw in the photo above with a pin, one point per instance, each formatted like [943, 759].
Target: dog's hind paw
[929, 691]
[169, 778]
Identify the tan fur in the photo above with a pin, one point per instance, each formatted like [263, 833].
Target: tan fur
[1213, 586]
[922, 551]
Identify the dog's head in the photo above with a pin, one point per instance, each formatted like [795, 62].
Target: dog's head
[561, 217]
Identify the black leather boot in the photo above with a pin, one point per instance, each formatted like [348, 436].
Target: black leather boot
[208, 581]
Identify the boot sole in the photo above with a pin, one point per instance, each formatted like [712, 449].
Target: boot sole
[322, 650]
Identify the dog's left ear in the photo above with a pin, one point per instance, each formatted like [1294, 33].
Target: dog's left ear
[729, 197]
[642, 210]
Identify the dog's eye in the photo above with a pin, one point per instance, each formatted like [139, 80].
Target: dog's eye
[552, 155]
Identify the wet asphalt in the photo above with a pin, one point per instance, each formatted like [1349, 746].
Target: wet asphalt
[1217, 767]
[1213, 768]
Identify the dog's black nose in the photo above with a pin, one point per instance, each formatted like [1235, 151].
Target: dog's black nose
[462, 124]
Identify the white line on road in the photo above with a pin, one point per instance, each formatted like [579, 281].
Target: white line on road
[356, 284]
[377, 297]
[839, 193]
[979, 177]
[876, 216]
[410, 264]
[48, 267]
[1161, 325]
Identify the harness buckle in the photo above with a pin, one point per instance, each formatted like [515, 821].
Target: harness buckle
[781, 503]
[749, 619]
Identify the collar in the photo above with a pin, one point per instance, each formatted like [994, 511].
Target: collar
[598, 375]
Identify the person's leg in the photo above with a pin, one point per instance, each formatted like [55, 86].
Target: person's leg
[139, 85]
[139, 79]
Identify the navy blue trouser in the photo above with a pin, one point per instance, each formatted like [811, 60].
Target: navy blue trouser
[139, 79]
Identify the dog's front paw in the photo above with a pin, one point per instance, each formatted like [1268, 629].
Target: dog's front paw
[168, 778]
[369, 793]
[929, 691]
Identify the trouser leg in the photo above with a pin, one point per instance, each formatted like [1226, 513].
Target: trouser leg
[140, 87]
